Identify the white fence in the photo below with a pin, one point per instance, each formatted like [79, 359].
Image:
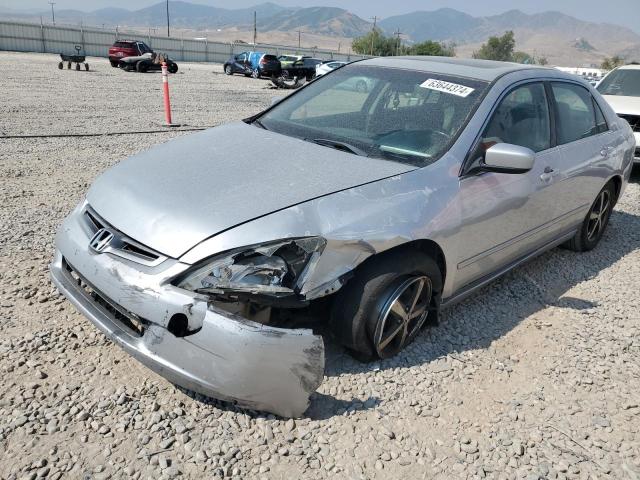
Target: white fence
[34, 37]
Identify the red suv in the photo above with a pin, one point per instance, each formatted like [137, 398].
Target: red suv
[126, 48]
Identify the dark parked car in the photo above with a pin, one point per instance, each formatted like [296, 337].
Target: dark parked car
[256, 64]
[148, 62]
[127, 48]
[302, 67]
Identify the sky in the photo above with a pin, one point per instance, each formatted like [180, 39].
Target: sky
[621, 12]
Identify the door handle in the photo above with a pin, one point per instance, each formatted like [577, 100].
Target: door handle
[604, 151]
[548, 174]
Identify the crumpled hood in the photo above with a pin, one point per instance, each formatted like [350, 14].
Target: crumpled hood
[182, 192]
[624, 105]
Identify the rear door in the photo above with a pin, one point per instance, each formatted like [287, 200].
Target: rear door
[586, 143]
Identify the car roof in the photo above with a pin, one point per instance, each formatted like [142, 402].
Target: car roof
[487, 70]
[629, 67]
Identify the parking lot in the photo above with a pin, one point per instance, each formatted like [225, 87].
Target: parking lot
[536, 376]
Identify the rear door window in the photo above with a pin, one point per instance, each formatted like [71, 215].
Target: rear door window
[575, 113]
[522, 118]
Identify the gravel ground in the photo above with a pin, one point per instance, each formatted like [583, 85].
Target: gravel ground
[536, 376]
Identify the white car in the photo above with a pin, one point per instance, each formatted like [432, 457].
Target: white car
[327, 67]
[621, 89]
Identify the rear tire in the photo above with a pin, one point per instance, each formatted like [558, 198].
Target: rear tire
[172, 68]
[114, 63]
[228, 70]
[365, 311]
[255, 73]
[141, 67]
[595, 223]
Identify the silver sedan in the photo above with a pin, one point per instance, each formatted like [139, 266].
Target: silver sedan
[209, 257]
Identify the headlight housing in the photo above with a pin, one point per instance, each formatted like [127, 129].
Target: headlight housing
[274, 269]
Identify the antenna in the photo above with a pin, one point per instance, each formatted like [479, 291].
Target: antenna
[53, 14]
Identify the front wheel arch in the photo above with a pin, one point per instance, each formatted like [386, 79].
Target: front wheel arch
[427, 246]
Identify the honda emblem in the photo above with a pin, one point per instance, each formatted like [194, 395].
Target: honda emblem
[101, 240]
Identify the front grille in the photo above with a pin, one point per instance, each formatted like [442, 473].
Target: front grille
[634, 121]
[121, 243]
[133, 323]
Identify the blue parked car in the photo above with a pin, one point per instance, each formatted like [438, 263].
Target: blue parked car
[256, 64]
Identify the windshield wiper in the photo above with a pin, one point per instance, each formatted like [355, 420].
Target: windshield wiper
[345, 147]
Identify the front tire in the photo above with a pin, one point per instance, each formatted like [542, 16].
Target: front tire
[228, 70]
[172, 68]
[382, 309]
[255, 73]
[595, 223]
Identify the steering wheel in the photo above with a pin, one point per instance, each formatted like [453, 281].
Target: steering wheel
[441, 133]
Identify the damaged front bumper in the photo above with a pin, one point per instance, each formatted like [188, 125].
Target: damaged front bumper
[220, 354]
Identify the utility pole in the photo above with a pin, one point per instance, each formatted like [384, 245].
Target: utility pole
[299, 32]
[255, 28]
[397, 33]
[53, 14]
[339, 44]
[373, 33]
[168, 33]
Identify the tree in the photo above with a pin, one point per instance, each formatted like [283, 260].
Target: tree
[610, 63]
[542, 61]
[432, 48]
[382, 46]
[498, 48]
[522, 57]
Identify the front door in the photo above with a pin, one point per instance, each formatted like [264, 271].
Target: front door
[504, 216]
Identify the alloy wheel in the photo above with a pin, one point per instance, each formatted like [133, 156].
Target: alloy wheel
[402, 315]
[598, 215]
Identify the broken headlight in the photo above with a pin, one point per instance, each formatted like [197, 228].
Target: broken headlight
[277, 269]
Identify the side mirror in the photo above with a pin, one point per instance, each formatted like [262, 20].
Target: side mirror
[276, 99]
[507, 158]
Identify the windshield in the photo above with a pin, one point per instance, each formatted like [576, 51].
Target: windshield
[402, 115]
[623, 82]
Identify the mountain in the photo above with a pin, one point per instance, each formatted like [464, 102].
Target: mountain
[317, 20]
[320, 20]
[562, 38]
[440, 25]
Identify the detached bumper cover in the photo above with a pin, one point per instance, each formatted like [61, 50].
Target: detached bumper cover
[229, 357]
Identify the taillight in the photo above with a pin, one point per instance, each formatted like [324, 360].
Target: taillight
[263, 61]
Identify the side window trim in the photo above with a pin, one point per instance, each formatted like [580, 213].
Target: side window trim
[551, 105]
[596, 109]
